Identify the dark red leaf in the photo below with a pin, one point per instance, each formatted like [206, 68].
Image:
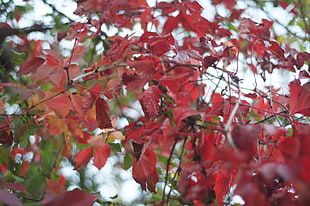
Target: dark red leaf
[304, 75]
[101, 154]
[31, 65]
[301, 58]
[149, 100]
[245, 138]
[209, 61]
[9, 198]
[144, 170]
[74, 198]
[102, 117]
[82, 158]
[6, 137]
[251, 95]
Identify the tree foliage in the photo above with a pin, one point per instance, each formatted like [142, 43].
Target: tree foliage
[204, 133]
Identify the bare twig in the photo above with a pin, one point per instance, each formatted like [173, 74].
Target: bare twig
[97, 70]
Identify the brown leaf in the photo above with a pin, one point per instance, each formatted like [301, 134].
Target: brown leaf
[101, 114]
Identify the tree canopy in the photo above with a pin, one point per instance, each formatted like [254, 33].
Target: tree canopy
[201, 100]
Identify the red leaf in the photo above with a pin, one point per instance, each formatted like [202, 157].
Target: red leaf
[301, 58]
[249, 191]
[209, 61]
[149, 100]
[251, 95]
[159, 45]
[170, 25]
[253, 68]
[74, 71]
[245, 138]
[276, 49]
[31, 65]
[101, 114]
[101, 154]
[9, 198]
[113, 88]
[181, 113]
[82, 158]
[14, 186]
[88, 101]
[144, 170]
[60, 104]
[53, 58]
[58, 77]
[288, 146]
[221, 186]
[74, 198]
[300, 95]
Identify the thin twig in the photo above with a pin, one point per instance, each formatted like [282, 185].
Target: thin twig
[229, 122]
[97, 70]
[167, 169]
[178, 169]
[57, 11]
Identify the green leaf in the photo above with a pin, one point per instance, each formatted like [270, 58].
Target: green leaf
[127, 161]
[4, 154]
[35, 182]
[114, 197]
[115, 147]
[24, 142]
[18, 58]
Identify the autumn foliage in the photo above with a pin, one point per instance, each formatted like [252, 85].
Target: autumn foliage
[203, 133]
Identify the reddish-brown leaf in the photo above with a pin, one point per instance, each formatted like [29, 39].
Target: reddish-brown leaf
[82, 158]
[9, 198]
[113, 88]
[144, 170]
[74, 198]
[31, 65]
[101, 154]
[102, 114]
